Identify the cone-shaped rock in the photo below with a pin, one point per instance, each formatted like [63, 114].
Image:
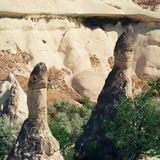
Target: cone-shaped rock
[35, 141]
[13, 100]
[118, 82]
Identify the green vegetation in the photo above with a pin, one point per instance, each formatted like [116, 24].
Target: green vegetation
[47, 17]
[49, 85]
[155, 85]
[8, 134]
[133, 130]
[66, 122]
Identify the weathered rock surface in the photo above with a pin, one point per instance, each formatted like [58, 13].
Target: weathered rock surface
[61, 43]
[112, 8]
[13, 100]
[146, 64]
[86, 83]
[35, 140]
[118, 82]
[73, 47]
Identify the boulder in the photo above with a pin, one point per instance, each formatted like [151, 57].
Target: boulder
[88, 83]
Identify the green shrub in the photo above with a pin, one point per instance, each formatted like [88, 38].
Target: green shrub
[95, 151]
[62, 136]
[79, 20]
[63, 120]
[66, 122]
[47, 17]
[8, 134]
[85, 101]
[133, 129]
[49, 85]
[77, 123]
[155, 84]
[156, 103]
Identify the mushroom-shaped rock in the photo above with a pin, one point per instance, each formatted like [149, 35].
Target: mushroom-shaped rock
[35, 141]
[118, 82]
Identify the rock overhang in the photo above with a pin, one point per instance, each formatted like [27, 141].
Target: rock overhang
[105, 8]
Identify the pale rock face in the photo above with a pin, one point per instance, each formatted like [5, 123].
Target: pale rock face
[147, 51]
[150, 63]
[13, 100]
[154, 37]
[88, 83]
[101, 43]
[77, 59]
[46, 50]
[35, 140]
[75, 53]
[64, 44]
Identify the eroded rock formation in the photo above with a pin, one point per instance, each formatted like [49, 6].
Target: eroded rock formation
[35, 141]
[118, 82]
[13, 100]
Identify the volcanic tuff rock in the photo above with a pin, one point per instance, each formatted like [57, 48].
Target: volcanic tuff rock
[13, 100]
[118, 82]
[62, 44]
[35, 140]
[40, 30]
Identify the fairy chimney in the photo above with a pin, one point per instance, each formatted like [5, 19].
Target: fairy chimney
[118, 82]
[35, 141]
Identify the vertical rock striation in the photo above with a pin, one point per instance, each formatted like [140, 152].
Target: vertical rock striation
[118, 82]
[35, 141]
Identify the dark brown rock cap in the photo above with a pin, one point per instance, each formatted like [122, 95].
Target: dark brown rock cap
[126, 41]
[38, 77]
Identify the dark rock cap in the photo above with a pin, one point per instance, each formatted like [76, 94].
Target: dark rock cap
[38, 77]
[126, 41]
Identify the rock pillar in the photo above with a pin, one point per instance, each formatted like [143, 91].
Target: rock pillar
[35, 141]
[118, 82]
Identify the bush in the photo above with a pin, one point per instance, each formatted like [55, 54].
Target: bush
[155, 85]
[62, 136]
[65, 141]
[8, 134]
[66, 122]
[133, 129]
[95, 151]
[156, 103]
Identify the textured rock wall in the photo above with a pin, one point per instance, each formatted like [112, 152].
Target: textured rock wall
[80, 50]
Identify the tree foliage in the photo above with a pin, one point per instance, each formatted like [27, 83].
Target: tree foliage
[133, 129]
[8, 134]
